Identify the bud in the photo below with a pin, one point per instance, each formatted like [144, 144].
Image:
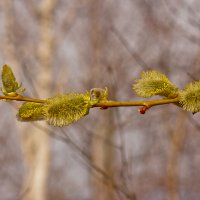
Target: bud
[10, 85]
[97, 95]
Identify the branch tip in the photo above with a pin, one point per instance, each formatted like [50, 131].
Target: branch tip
[143, 109]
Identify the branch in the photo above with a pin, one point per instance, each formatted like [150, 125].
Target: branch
[106, 104]
[145, 104]
[22, 98]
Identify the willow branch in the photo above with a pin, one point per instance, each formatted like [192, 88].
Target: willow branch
[22, 98]
[136, 103]
[103, 104]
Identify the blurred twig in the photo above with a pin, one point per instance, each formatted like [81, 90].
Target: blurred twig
[68, 140]
[133, 53]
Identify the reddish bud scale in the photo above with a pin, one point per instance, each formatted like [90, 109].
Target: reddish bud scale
[143, 109]
[104, 107]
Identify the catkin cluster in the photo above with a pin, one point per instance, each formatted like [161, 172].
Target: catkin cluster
[63, 110]
[60, 110]
[155, 83]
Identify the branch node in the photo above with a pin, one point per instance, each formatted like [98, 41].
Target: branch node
[104, 107]
[143, 109]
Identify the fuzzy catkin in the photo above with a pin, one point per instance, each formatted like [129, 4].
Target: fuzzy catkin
[154, 83]
[65, 109]
[190, 97]
[31, 111]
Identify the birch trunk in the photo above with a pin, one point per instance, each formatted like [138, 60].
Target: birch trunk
[35, 143]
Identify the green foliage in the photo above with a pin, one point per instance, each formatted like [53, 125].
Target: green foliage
[154, 83]
[190, 97]
[65, 109]
[31, 111]
[10, 86]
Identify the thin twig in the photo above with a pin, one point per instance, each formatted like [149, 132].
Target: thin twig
[133, 53]
[105, 104]
[68, 140]
[22, 98]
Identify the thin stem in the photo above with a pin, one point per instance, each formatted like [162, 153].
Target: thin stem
[21, 98]
[104, 104]
[151, 103]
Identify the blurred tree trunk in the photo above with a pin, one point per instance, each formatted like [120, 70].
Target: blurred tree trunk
[38, 159]
[103, 157]
[40, 138]
[102, 153]
[176, 146]
[35, 142]
[8, 46]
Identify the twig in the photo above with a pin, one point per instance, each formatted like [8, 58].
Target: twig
[106, 104]
[22, 98]
[133, 53]
[145, 104]
[68, 140]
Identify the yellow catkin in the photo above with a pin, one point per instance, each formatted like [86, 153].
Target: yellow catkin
[65, 109]
[190, 97]
[154, 83]
[31, 111]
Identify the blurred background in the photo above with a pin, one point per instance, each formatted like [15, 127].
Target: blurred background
[60, 46]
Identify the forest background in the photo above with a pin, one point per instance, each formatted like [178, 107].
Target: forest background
[72, 46]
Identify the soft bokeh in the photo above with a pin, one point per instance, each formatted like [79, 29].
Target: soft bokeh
[59, 46]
